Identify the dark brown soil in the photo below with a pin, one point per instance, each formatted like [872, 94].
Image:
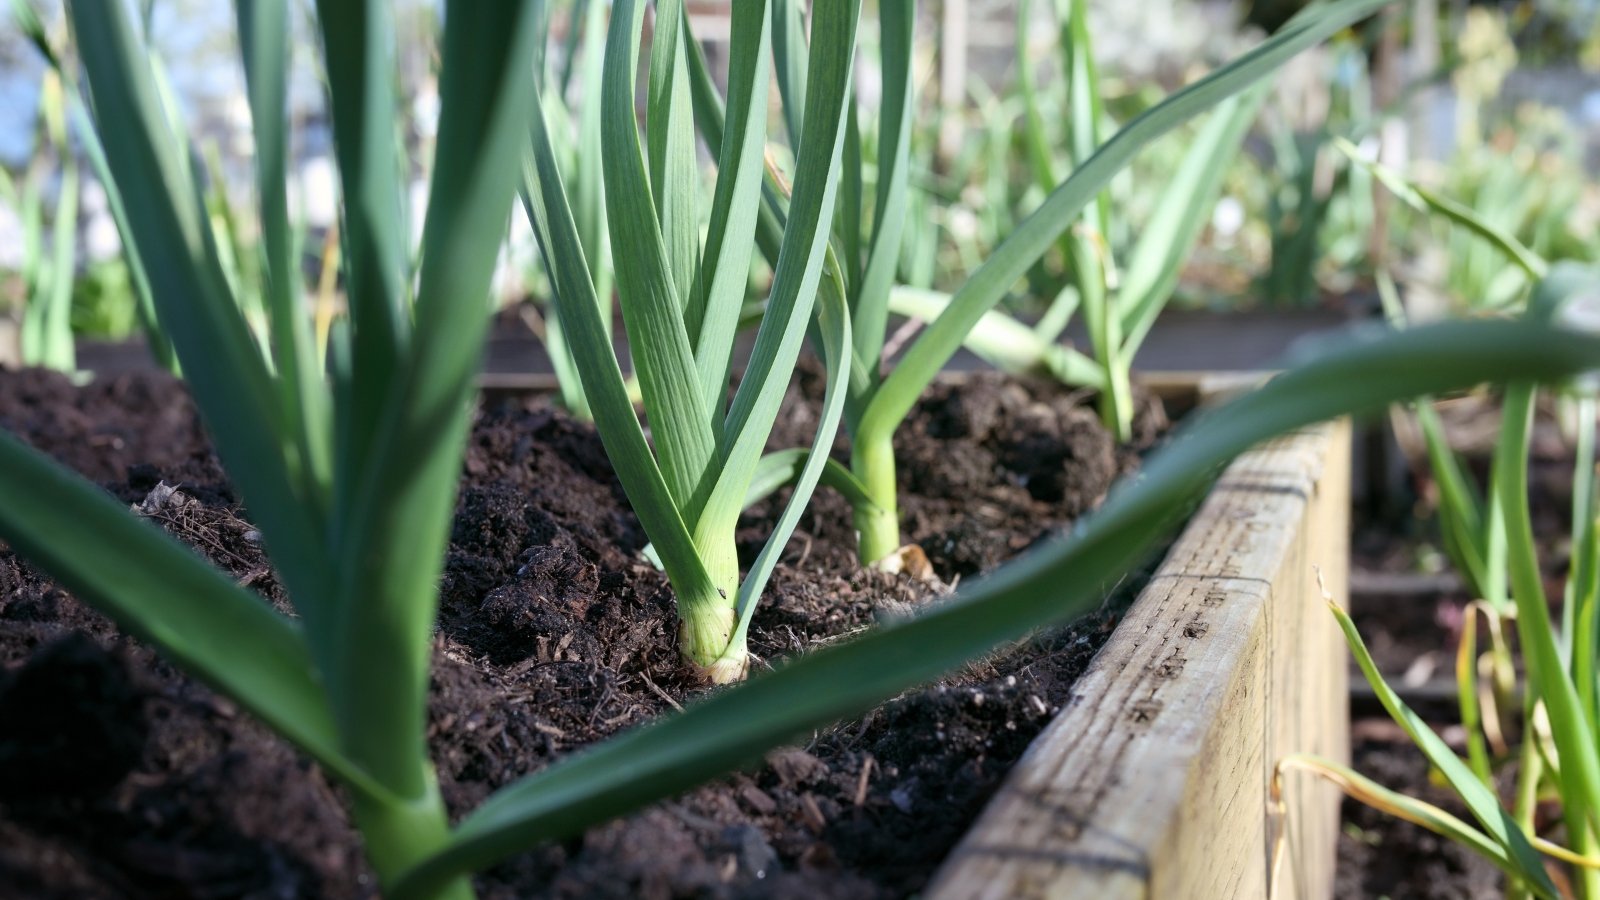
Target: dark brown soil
[1381, 856]
[121, 777]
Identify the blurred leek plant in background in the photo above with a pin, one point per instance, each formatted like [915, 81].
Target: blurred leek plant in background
[1073, 216]
[50, 273]
[1488, 537]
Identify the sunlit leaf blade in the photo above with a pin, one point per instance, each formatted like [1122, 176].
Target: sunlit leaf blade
[144, 303]
[1579, 774]
[869, 300]
[1480, 800]
[651, 307]
[589, 203]
[1584, 586]
[1053, 584]
[833, 324]
[709, 117]
[159, 590]
[782, 469]
[1012, 259]
[1431, 817]
[1425, 201]
[789, 55]
[1004, 342]
[357, 37]
[799, 270]
[725, 270]
[1085, 113]
[669, 123]
[546, 205]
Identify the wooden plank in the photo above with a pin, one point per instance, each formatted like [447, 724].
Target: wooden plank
[1154, 780]
[953, 22]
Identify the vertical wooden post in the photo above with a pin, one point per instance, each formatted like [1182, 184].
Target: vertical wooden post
[1387, 81]
[952, 76]
[1424, 62]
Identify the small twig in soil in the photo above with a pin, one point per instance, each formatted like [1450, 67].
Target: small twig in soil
[863, 779]
[812, 813]
[551, 730]
[655, 689]
[901, 337]
[805, 554]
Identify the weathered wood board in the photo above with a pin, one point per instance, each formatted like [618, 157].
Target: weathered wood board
[1154, 781]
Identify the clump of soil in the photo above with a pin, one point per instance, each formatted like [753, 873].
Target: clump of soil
[122, 777]
[1381, 856]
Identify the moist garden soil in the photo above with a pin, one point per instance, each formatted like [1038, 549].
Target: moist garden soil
[122, 777]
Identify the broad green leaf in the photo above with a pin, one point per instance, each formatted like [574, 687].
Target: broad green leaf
[833, 324]
[799, 270]
[669, 123]
[589, 204]
[782, 469]
[357, 39]
[1003, 342]
[1053, 584]
[789, 54]
[709, 118]
[159, 590]
[392, 534]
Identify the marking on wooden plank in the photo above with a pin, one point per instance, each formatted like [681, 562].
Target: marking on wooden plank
[1152, 782]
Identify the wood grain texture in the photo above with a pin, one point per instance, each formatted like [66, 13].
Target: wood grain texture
[1154, 780]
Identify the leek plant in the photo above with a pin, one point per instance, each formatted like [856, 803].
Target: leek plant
[350, 476]
[49, 250]
[60, 99]
[880, 395]
[681, 301]
[1558, 713]
[1488, 536]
